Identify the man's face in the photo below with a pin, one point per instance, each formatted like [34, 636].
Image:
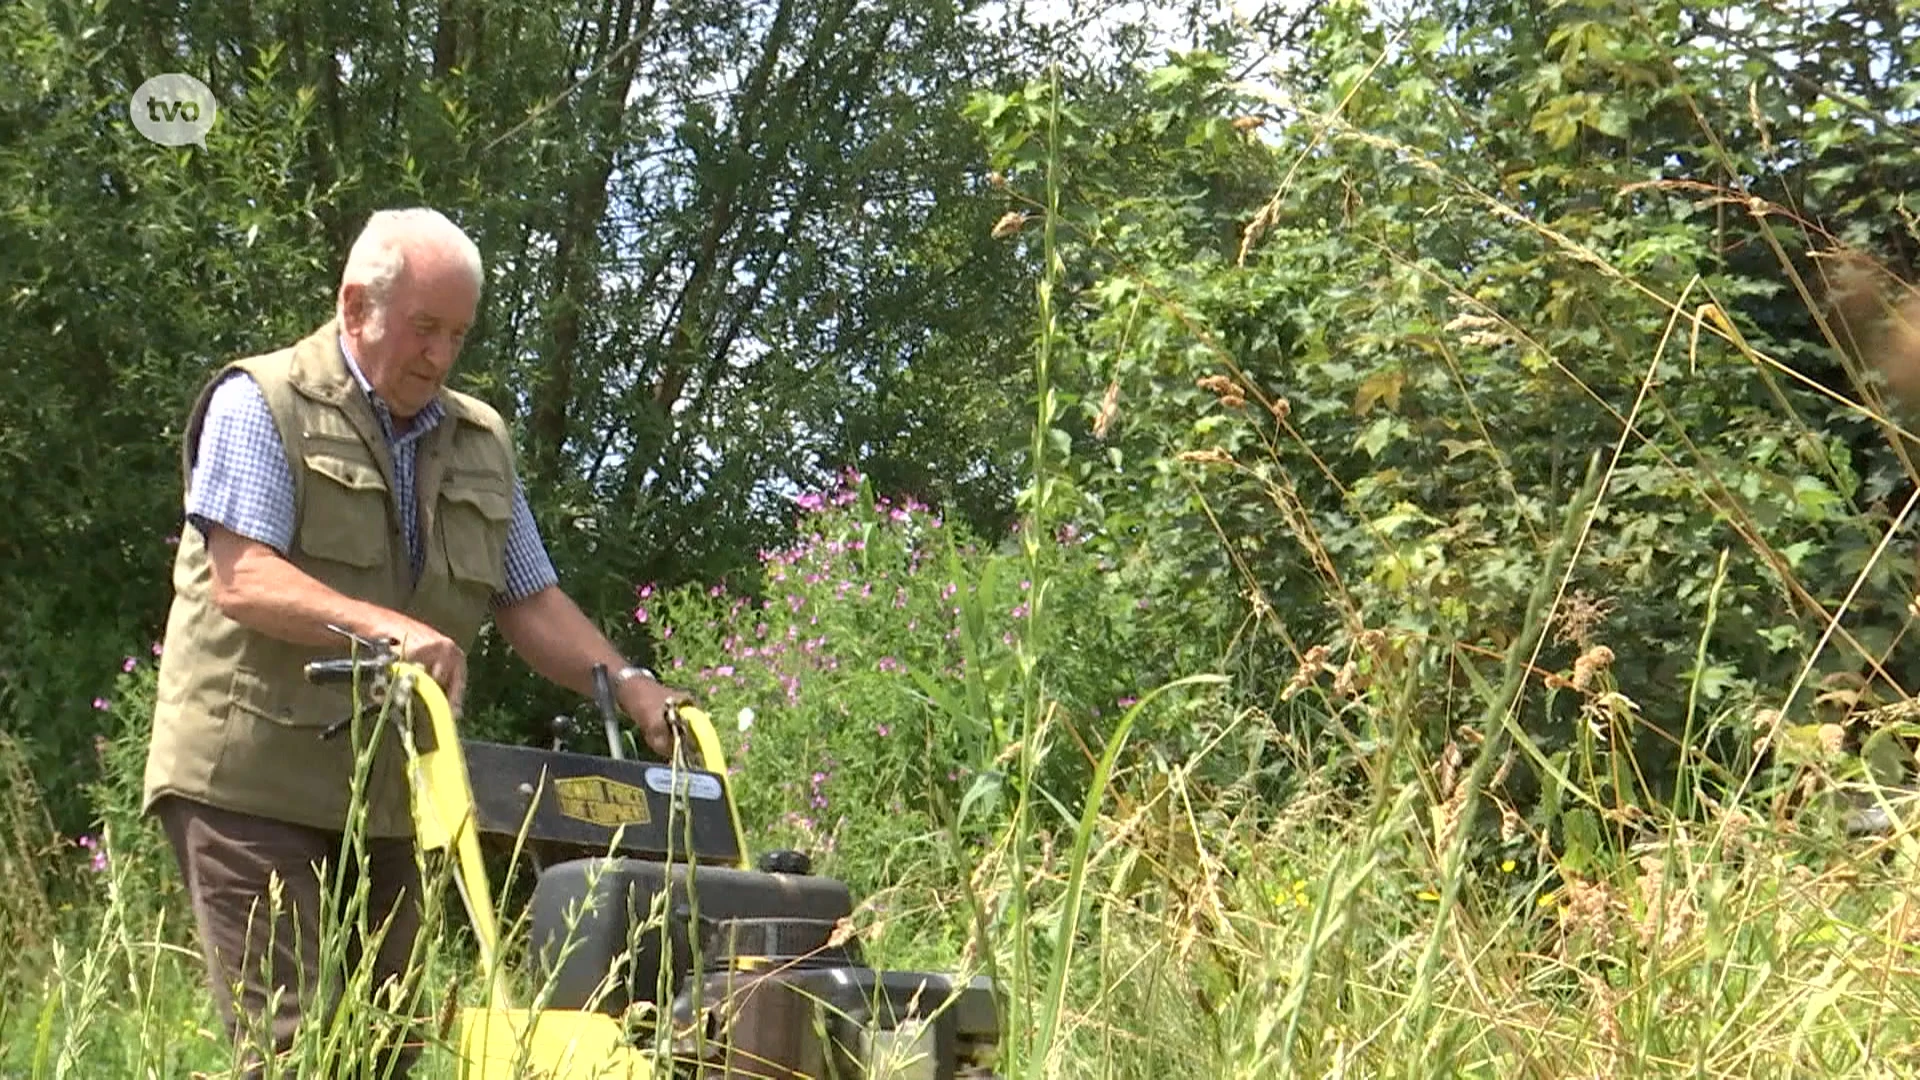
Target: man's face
[408, 351]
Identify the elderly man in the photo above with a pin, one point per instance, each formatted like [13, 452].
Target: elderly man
[340, 483]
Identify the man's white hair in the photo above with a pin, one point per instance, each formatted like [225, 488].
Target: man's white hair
[379, 255]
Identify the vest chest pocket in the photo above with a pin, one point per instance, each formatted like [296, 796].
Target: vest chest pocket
[474, 513]
[346, 517]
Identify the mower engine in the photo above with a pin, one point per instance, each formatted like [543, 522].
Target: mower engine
[647, 910]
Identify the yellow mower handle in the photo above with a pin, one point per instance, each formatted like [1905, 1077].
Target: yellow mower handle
[443, 806]
[713, 758]
[498, 1040]
[443, 814]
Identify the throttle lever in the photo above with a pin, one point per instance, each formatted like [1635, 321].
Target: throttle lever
[603, 697]
[683, 742]
[333, 730]
[379, 647]
[349, 669]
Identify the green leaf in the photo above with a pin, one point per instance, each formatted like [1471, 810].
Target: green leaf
[1886, 757]
[1714, 680]
[985, 794]
[1160, 80]
[1780, 637]
[1582, 839]
[1378, 435]
[1610, 118]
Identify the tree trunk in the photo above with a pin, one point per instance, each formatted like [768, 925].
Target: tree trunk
[576, 249]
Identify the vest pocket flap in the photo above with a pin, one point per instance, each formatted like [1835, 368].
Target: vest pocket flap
[345, 519]
[493, 504]
[474, 528]
[354, 475]
[290, 702]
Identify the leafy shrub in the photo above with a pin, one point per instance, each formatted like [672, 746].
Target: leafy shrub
[866, 680]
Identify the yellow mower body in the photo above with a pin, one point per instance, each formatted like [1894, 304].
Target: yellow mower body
[499, 1041]
[752, 973]
[503, 1043]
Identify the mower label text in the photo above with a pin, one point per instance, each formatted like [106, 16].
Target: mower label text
[601, 802]
[697, 785]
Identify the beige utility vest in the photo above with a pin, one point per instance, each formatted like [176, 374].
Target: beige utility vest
[236, 725]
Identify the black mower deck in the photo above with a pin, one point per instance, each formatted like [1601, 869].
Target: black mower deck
[595, 806]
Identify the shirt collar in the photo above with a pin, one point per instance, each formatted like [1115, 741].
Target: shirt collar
[425, 421]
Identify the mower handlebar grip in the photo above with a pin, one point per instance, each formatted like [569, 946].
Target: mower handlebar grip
[329, 672]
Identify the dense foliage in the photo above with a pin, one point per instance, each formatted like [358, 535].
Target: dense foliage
[925, 387]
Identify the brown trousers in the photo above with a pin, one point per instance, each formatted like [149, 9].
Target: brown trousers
[227, 860]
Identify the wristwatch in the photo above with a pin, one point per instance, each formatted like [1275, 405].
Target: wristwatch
[630, 671]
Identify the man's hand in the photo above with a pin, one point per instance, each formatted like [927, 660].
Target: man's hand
[431, 649]
[650, 706]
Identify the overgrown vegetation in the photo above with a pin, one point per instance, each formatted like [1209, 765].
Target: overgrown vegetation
[1356, 546]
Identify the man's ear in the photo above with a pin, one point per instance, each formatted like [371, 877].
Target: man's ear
[355, 307]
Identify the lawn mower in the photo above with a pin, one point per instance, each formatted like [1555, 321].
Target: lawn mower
[659, 947]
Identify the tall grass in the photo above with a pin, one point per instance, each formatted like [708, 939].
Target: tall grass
[1289, 942]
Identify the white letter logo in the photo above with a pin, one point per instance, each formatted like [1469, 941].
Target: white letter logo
[173, 110]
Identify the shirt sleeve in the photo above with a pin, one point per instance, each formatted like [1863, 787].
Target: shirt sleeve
[529, 569]
[241, 480]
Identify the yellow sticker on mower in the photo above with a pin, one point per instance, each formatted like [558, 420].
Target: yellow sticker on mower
[602, 802]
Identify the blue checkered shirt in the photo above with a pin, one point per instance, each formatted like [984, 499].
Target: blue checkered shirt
[241, 480]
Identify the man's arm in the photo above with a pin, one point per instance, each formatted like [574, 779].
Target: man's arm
[240, 497]
[257, 588]
[556, 639]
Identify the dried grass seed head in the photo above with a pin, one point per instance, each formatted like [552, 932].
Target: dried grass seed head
[1109, 411]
